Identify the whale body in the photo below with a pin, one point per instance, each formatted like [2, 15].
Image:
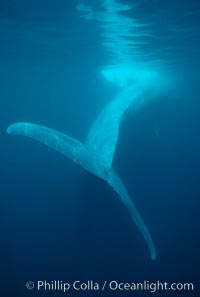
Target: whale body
[96, 154]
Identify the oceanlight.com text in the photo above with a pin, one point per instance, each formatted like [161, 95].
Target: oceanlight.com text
[91, 285]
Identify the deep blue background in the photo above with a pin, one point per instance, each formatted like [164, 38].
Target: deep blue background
[56, 221]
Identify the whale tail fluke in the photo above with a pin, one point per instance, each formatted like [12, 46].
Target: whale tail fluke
[116, 183]
[52, 138]
[72, 148]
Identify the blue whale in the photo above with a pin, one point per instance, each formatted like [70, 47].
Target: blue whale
[96, 154]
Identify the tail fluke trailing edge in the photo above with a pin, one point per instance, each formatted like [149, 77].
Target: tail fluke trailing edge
[116, 183]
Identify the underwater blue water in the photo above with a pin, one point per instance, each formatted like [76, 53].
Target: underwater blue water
[57, 222]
